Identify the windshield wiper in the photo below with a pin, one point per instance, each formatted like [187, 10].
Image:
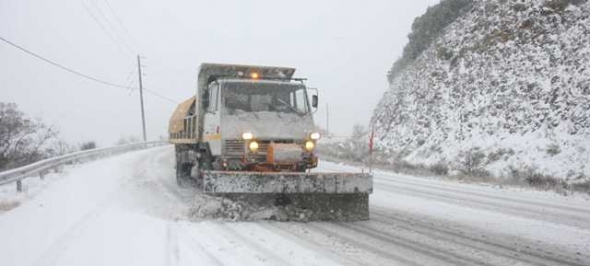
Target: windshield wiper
[291, 107]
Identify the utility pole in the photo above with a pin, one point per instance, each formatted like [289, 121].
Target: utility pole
[327, 120]
[141, 97]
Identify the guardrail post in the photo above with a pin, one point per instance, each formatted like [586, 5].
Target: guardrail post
[42, 175]
[19, 186]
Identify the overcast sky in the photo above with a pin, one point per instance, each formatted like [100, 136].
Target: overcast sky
[344, 48]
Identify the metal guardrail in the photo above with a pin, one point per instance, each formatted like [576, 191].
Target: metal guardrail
[42, 167]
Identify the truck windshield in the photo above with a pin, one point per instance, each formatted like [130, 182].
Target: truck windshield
[264, 97]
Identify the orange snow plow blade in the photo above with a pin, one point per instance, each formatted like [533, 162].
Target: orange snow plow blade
[223, 182]
[324, 196]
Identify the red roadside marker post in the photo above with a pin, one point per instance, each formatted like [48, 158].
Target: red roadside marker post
[371, 150]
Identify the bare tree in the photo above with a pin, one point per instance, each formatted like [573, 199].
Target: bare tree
[60, 147]
[22, 140]
[127, 140]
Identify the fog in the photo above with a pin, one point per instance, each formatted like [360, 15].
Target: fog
[343, 48]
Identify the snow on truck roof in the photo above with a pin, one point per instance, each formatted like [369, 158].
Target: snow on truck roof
[260, 81]
[209, 70]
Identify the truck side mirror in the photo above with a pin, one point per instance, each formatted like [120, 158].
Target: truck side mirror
[314, 101]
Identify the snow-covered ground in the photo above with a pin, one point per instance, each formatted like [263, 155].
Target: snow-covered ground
[127, 210]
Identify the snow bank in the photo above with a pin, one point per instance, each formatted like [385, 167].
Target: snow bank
[245, 208]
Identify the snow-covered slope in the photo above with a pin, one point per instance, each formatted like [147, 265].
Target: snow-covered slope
[508, 80]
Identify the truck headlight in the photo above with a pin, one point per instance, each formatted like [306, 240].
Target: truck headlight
[247, 135]
[253, 146]
[315, 136]
[309, 145]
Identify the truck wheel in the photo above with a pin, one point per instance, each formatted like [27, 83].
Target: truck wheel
[196, 175]
[183, 174]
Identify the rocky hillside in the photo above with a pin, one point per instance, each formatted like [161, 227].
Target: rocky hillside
[504, 86]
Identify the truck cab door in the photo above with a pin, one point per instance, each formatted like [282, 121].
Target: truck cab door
[212, 118]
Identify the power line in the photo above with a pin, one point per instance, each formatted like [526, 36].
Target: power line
[102, 27]
[150, 91]
[110, 25]
[160, 95]
[77, 72]
[118, 19]
[62, 67]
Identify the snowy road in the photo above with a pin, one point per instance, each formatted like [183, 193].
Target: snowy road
[127, 210]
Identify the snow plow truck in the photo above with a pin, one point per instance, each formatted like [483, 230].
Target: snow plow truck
[249, 132]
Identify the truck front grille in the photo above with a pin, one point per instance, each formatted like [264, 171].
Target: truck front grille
[262, 153]
[234, 147]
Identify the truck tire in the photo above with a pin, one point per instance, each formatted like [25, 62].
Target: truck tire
[183, 174]
[196, 176]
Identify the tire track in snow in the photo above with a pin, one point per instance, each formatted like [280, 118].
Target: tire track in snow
[198, 247]
[168, 183]
[61, 245]
[267, 254]
[379, 250]
[481, 203]
[437, 252]
[55, 250]
[344, 252]
[480, 192]
[288, 247]
[576, 209]
[176, 232]
[228, 249]
[172, 252]
[525, 254]
[488, 194]
[577, 213]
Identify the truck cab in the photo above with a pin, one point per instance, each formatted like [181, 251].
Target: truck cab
[259, 125]
[245, 118]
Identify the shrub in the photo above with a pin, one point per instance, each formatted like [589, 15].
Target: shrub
[439, 168]
[582, 187]
[88, 145]
[557, 5]
[128, 140]
[60, 147]
[444, 53]
[471, 161]
[532, 177]
[553, 149]
[519, 7]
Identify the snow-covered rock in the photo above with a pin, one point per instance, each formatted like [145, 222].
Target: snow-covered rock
[507, 79]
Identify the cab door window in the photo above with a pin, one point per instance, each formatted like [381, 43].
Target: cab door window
[213, 97]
